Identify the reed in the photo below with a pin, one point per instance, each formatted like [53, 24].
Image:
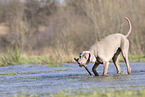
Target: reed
[10, 57]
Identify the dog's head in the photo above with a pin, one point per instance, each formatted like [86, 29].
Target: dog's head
[84, 58]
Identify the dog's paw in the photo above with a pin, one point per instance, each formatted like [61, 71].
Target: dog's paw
[124, 73]
[91, 75]
[117, 74]
[105, 75]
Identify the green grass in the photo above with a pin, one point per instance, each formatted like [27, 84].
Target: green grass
[120, 93]
[22, 73]
[18, 73]
[45, 60]
[15, 56]
[134, 58]
[10, 57]
[117, 93]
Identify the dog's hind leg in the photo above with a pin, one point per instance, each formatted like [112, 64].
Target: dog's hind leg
[94, 69]
[125, 56]
[116, 60]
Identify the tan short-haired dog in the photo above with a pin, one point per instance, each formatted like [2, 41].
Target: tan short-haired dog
[108, 48]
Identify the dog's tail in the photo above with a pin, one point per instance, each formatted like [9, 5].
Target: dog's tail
[129, 26]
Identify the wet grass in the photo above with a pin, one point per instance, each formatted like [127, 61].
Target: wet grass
[22, 73]
[18, 73]
[117, 93]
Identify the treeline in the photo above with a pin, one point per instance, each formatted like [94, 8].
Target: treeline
[67, 28]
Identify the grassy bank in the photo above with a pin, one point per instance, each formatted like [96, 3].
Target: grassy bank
[134, 58]
[51, 60]
[15, 56]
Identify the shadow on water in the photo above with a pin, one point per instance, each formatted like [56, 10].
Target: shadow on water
[40, 79]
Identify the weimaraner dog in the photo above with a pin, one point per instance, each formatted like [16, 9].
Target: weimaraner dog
[108, 48]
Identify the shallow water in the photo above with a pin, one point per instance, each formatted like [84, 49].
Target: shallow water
[37, 79]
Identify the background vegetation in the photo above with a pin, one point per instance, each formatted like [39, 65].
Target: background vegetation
[62, 30]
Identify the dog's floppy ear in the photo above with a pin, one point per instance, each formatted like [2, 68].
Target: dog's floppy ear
[91, 58]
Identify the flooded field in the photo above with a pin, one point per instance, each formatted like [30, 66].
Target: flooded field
[38, 79]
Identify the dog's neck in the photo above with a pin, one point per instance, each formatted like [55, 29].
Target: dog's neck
[93, 51]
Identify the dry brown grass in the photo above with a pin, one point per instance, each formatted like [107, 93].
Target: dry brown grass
[67, 30]
[3, 29]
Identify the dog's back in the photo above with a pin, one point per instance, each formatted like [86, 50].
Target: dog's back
[108, 45]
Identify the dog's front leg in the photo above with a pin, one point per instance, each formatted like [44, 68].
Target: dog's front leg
[106, 65]
[94, 68]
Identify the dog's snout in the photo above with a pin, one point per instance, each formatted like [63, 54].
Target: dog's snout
[80, 63]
